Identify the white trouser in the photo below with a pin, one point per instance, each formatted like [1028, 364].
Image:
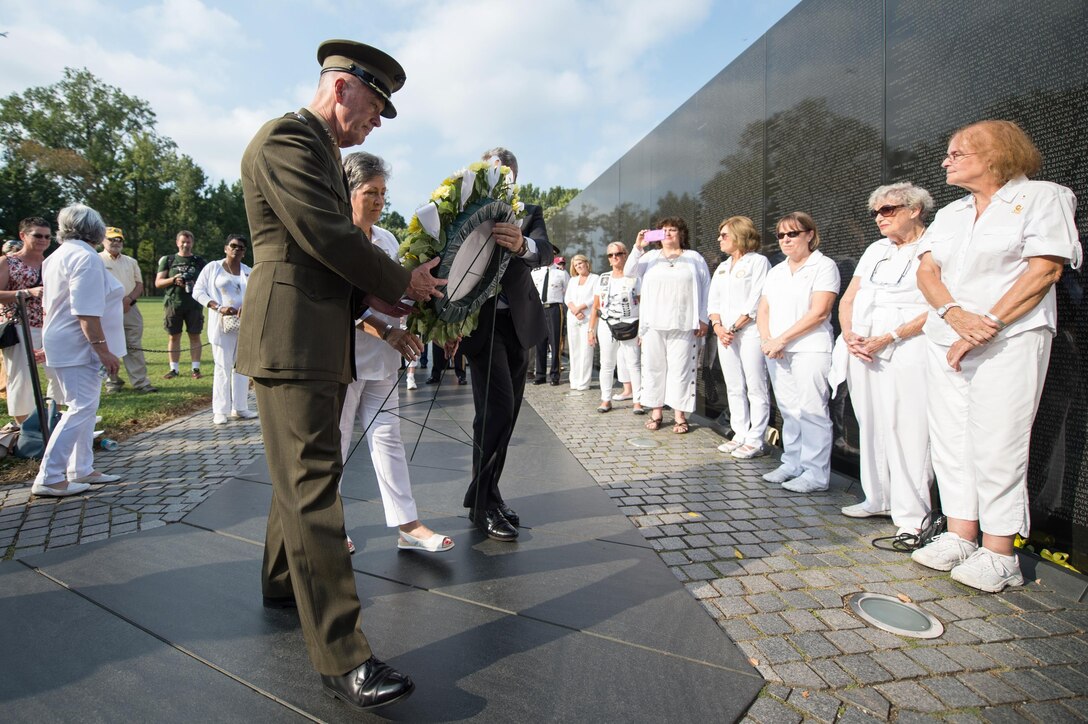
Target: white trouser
[744, 368]
[20, 387]
[889, 401]
[230, 390]
[70, 445]
[980, 422]
[364, 400]
[801, 391]
[620, 357]
[581, 354]
[668, 369]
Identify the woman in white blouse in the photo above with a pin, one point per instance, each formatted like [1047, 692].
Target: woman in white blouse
[579, 299]
[672, 316]
[796, 338]
[615, 301]
[83, 334]
[882, 313]
[735, 290]
[989, 264]
[372, 399]
[221, 287]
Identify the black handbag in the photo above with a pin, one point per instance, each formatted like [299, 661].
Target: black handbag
[8, 336]
[622, 331]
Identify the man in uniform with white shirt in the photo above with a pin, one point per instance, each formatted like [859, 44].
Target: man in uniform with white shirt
[126, 270]
[551, 284]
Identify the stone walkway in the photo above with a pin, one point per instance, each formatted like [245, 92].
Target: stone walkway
[771, 567]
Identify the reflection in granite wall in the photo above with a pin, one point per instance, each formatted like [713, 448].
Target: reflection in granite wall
[838, 98]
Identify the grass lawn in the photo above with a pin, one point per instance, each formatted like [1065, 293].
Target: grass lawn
[126, 413]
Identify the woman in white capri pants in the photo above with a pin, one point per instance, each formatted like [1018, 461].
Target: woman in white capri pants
[372, 399]
[221, 287]
[735, 290]
[672, 316]
[989, 264]
[616, 301]
[796, 339]
[579, 300]
[881, 314]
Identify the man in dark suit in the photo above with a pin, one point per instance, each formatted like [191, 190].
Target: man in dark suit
[310, 264]
[498, 352]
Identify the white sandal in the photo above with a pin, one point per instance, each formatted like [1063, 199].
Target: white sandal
[436, 543]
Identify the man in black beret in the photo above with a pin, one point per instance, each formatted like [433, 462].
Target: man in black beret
[310, 263]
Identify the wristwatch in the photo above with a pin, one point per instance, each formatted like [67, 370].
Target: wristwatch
[943, 310]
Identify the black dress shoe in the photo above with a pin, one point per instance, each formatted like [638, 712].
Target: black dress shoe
[510, 515]
[462, 380]
[539, 381]
[494, 524]
[370, 686]
[554, 383]
[280, 602]
[431, 381]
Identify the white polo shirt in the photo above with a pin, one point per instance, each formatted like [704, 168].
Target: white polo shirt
[736, 287]
[981, 259]
[789, 296]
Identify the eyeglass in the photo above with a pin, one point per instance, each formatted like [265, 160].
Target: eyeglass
[886, 210]
[791, 234]
[235, 246]
[616, 253]
[880, 275]
[40, 236]
[957, 155]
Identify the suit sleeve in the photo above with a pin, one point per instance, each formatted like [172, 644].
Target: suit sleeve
[296, 184]
[535, 229]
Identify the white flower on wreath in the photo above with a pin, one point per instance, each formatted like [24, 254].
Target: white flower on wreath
[429, 219]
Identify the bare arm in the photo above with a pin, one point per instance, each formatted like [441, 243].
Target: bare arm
[819, 309]
[92, 332]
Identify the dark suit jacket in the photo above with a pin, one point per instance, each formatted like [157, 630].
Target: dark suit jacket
[309, 258]
[517, 285]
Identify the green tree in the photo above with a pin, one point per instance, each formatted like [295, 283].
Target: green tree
[551, 201]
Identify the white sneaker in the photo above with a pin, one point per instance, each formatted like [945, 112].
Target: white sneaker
[244, 415]
[729, 446]
[51, 492]
[781, 474]
[989, 571]
[802, 484]
[219, 420]
[412, 382]
[95, 478]
[944, 552]
[747, 452]
[860, 511]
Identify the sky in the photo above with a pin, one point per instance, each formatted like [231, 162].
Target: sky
[567, 85]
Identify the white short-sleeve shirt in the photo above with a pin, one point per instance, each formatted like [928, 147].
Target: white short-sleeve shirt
[981, 259]
[789, 296]
[736, 287]
[76, 284]
[580, 294]
[374, 358]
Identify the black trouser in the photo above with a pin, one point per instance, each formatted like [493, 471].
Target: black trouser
[499, 365]
[553, 318]
[439, 362]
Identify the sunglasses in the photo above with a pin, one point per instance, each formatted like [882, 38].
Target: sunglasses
[616, 253]
[791, 234]
[236, 246]
[885, 211]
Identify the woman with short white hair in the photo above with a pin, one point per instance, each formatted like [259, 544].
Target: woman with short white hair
[83, 333]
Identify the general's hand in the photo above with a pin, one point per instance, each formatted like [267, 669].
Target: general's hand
[423, 286]
[701, 331]
[396, 309]
[508, 236]
[409, 345]
[971, 327]
[957, 352]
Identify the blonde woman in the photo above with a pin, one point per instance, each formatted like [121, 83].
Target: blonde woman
[579, 300]
[732, 304]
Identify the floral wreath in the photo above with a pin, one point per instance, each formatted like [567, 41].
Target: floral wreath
[485, 191]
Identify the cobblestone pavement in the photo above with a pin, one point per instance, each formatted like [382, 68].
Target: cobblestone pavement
[773, 568]
[165, 473]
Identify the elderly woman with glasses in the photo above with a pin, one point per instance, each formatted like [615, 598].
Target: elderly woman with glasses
[615, 302]
[220, 287]
[989, 264]
[796, 339]
[83, 334]
[381, 342]
[882, 313]
[734, 296]
[672, 316]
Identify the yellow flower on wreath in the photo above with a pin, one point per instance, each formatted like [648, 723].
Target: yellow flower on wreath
[441, 192]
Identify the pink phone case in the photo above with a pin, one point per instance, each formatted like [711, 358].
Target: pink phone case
[654, 235]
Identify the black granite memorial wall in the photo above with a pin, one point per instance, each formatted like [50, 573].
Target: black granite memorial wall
[840, 97]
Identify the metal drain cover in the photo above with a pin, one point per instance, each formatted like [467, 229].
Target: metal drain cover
[895, 616]
[644, 442]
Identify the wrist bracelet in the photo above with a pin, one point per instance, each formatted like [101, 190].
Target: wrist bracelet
[715, 324]
[387, 332]
[96, 341]
[732, 329]
[995, 319]
[895, 337]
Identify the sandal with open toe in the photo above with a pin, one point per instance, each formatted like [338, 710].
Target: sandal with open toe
[653, 424]
[436, 543]
[680, 427]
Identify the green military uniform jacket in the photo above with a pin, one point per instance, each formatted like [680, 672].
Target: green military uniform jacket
[309, 257]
